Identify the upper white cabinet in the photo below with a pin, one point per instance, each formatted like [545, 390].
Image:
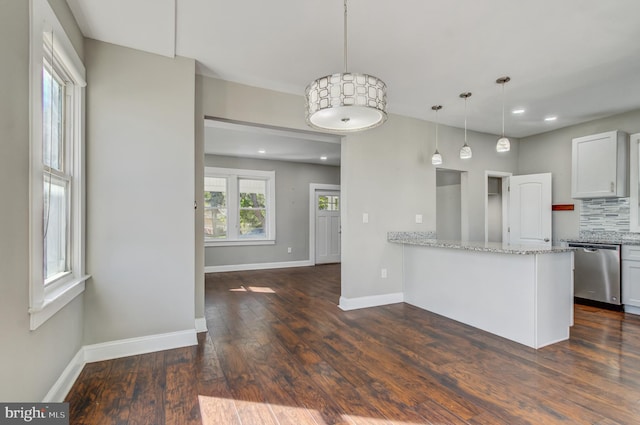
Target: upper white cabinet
[600, 166]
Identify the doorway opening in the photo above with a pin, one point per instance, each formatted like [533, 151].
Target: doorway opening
[494, 209]
[452, 221]
[496, 206]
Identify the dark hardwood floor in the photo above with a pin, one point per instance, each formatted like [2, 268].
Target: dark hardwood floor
[279, 351]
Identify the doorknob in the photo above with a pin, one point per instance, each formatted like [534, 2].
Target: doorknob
[546, 239]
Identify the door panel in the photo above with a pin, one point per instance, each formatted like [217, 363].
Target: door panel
[530, 209]
[327, 227]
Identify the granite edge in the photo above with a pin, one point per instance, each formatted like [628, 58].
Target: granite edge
[397, 237]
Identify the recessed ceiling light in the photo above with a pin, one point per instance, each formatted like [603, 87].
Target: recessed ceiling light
[323, 158]
[552, 118]
[518, 111]
[262, 151]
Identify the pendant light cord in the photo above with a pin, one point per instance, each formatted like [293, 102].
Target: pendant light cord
[436, 108]
[345, 36]
[503, 108]
[465, 120]
[437, 122]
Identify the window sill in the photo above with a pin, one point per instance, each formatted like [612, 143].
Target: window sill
[55, 299]
[243, 242]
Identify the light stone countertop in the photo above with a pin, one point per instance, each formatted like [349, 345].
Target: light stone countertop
[614, 238]
[414, 238]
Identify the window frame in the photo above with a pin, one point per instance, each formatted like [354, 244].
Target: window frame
[233, 176]
[48, 38]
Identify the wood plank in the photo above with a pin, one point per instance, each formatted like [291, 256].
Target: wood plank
[181, 404]
[84, 396]
[114, 402]
[147, 402]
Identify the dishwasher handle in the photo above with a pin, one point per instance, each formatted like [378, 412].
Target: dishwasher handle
[589, 247]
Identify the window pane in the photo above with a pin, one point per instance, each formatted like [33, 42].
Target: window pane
[253, 193]
[253, 212]
[335, 203]
[215, 211]
[56, 191]
[52, 119]
[328, 203]
[323, 203]
[252, 223]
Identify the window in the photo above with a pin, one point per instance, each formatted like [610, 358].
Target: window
[56, 174]
[239, 207]
[329, 203]
[57, 152]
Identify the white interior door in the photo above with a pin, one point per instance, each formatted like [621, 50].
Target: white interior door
[327, 226]
[530, 209]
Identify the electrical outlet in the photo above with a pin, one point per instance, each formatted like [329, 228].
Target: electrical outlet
[419, 218]
[365, 217]
[289, 250]
[383, 273]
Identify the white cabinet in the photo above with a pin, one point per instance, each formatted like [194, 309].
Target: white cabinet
[599, 166]
[631, 278]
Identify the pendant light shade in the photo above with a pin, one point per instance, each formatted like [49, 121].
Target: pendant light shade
[465, 150]
[348, 101]
[503, 144]
[436, 158]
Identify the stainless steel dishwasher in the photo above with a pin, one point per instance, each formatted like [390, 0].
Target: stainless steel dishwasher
[597, 272]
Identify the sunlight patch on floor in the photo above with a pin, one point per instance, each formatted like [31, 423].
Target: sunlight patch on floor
[259, 289]
[223, 411]
[216, 410]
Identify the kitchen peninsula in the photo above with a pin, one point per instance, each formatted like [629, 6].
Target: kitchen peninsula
[520, 292]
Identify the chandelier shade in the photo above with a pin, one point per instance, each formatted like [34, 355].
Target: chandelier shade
[346, 102]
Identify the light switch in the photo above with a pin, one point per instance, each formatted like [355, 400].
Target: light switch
[365, 217]
[419, 218]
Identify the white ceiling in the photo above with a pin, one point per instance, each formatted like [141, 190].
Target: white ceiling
[577, 59]
[251, 141]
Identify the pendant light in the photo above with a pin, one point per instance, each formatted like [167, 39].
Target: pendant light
[465, 150]
[503, 144]
[348, 101]
[436, 158]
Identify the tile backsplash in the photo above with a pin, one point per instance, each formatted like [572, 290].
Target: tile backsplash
[605, 215]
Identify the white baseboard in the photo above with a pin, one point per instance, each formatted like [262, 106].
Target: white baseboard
[113, 350]
[141, 345]
[61, 387]
[631, 309]
[258, 266]
[201, 324]
[370, 301]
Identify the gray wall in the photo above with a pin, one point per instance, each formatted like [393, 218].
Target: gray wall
[140, 215]
[292, 211]
[551, 152]
[31, 360]
[387, 173]
[448, 212]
